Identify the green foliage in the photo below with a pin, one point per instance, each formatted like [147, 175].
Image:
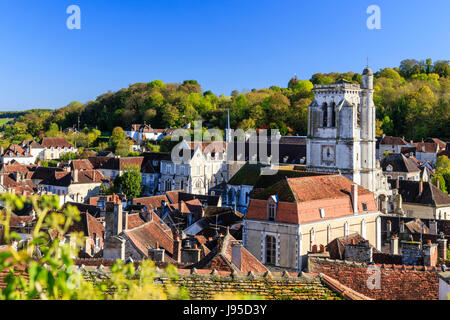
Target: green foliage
[442, 173]
[129, 182]
[44, 269]
[411, 100]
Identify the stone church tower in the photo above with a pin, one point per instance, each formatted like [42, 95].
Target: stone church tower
[341, 133]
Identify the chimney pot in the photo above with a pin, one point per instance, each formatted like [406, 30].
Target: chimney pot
[354, 193]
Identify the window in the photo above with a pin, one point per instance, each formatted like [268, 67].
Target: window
[322, 213]
[271, 209]
[333, 114]
[364, 205]
[400, 178]
[325, 114]
[271, 250]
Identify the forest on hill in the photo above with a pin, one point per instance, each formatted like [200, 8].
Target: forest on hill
[412, 100]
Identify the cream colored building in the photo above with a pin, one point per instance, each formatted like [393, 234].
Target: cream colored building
[286, 220]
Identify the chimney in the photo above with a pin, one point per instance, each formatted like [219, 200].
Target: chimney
[75, 175]
[87, 245]
[402, 226]
[394, 245]
[156, 254]
[388, 228]
[397, 184]
[177, 248]
[430, 254]
[433, 227]
[442, 248]
[113, 219]
[355, 198]
[420, 187]
[124, 219]
[236, 254]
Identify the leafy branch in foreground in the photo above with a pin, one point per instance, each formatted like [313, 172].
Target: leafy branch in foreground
[44, 268]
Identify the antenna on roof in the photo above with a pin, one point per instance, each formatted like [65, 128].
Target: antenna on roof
[367, 58]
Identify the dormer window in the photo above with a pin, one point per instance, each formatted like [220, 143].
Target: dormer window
[389, 168]
[322, 213]
[271, 209]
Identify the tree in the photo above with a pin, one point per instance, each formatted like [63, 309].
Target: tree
[129, 182]
[117, 136]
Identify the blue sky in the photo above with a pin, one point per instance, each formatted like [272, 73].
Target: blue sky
[223, 44]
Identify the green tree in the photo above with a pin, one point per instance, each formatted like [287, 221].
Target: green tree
[129, 182]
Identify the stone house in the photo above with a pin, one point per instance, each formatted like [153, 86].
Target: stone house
[422, 200]
[206, 168]
[285, 221]
[54, 148]
[391, 144]
[18, 154]
[397, 166]
[78, 185]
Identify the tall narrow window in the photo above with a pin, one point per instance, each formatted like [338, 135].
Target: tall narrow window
[271, 250]
[333, 114]
[271, 209]
[325, 114]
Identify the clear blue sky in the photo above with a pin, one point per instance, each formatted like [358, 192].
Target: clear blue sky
[224, 44]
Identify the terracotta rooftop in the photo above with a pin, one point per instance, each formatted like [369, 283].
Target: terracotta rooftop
[299, 199]
[55, 143]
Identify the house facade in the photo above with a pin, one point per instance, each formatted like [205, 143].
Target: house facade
[286, 220]
[54, 148]
[206, 168]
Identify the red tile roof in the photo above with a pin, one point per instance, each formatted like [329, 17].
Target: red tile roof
[55, 143]
[393, 140]
[151, 203]
[306, 195]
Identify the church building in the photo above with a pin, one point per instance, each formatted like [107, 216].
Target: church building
[341, 134]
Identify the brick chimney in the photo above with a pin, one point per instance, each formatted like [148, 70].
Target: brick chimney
[177, 248]
[113, 219]
[236, 254]
[430, 254]
[354, 192]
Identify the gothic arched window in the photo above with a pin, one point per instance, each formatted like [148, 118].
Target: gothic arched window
[325, 114]
[333, 114]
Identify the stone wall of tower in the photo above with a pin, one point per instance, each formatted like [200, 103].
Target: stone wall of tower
[368, 140]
